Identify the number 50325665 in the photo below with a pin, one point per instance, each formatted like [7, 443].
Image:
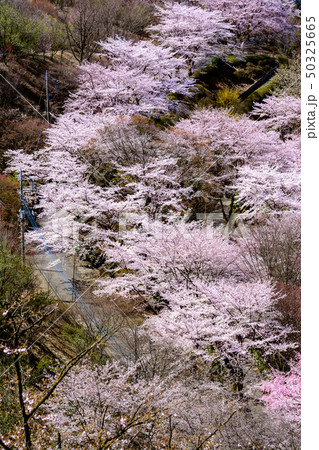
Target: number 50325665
[310, 47]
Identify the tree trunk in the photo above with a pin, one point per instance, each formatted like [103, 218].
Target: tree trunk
[26, 427]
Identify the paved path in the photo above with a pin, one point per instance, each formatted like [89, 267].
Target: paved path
[82, 278]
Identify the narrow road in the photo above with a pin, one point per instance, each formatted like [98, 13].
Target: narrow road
[73, 283]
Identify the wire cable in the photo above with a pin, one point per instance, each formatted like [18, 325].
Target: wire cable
[22, 96]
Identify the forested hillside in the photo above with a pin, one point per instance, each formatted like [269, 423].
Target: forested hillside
[157, 145]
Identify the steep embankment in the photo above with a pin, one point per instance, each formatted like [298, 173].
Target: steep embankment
[23, 92]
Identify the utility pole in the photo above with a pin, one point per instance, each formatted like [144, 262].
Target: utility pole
[47, 94]
[22, 216]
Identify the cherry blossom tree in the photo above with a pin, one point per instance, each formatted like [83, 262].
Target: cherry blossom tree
[214, 142]
[192, 32]
[239, 138]
[270, 182]
[155, 60]
[282, 393]
[110, 405]
[271, 250]
[241, 158]
[265, 190]
[44, 166]
[124, 170]
[99, 405]
[106, 95]
[124, 89]
[190, 277]
[126, 174]
[271, 21]
[144, 165]
[115, 406]
[228, 323]
[161, 258]
[282, 114]
[137, 80]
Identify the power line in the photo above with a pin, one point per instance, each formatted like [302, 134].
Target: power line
[22, 96]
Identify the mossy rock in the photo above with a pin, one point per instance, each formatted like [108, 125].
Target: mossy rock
[266, 65]
[210, 76]
[220, 74]
[254, 71]
[202, 97]
[257, 59]
[283, 61]
[236, 61]
[242, 76]
[175, 96]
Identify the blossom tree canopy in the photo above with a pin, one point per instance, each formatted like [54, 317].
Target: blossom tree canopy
[282, 393]
[268, 21]
[280, 113]
[193, 32]
[137, 80]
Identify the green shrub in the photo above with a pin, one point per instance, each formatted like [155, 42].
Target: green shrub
[18, 34]
[227, 98]
[23, 33]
